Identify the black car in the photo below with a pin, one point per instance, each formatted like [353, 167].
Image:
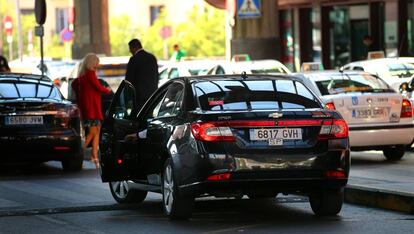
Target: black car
[36, 123]
[225, 136]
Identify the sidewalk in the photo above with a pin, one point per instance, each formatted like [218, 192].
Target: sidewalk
[379, 183]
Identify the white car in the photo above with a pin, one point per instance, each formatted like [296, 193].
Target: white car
[267, 66]
[394, 71]
[378, 117]
[184, 68]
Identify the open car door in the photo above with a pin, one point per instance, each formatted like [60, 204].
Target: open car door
[119, 144]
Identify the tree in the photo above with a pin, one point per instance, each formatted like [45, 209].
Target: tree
[121, 31]
[203, 34]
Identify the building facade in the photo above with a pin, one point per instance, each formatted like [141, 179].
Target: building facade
[332, 31]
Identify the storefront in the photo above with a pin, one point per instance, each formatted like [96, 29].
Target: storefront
[333, 31]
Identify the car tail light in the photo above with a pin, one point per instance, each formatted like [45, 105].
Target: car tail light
[332, 129]
[330, 106]
[406, 109]
[336, 174]
[66, 114]
[212, 131]
[63, 148]
[218, 177]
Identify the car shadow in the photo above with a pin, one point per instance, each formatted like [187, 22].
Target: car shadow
[36, 169]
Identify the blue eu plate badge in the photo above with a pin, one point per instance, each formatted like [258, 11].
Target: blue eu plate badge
[354, 101]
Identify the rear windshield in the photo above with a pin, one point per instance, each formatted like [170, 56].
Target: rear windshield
[253, 95]
[401, 70]
[353, 83]
[27, 90]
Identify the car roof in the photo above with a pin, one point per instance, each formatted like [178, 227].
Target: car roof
[381, 61]
[326, 75]
[12, 75]
[239, 77]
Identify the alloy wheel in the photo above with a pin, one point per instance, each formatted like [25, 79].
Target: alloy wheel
[168, 189]
[120, 188]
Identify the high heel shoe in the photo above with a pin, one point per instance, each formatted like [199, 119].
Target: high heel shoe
[96, 162]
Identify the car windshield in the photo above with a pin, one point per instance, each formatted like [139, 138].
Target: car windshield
[253, 95]
[28, 90]
[352, 83]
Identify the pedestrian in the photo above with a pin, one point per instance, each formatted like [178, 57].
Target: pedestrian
[368, 43]
[142, 72]
[88, 92]
[178, 53]
[4, 65]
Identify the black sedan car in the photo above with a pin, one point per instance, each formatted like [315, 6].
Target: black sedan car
[225, 136]
[36, 123]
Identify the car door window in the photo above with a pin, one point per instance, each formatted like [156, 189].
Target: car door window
[164, 74]
[124, 104]
[174, 73]
[171, 104]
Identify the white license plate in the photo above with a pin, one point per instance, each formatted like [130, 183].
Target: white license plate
[369, 113]
[265, 134]
[23, 120]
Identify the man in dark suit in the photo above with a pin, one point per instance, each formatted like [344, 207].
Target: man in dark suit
[142, 72]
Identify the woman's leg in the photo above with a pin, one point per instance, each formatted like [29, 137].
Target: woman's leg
[93, 131]
[95, 142]
[88, 138]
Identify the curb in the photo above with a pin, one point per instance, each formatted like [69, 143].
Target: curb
[60, 210]
[380, 198]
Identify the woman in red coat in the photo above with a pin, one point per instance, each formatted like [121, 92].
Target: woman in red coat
[88, 92]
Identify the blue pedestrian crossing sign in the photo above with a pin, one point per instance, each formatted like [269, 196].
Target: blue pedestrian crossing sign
[248, 8]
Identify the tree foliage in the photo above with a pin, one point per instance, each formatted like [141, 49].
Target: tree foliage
[201, 35]
[121, 31]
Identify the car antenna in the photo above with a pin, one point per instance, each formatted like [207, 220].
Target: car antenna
[244, 75]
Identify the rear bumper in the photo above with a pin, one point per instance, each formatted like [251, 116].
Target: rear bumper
[381, 136]
[39, 148]
[268, 187]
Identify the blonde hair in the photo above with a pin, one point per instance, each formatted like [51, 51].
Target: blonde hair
[89, 61]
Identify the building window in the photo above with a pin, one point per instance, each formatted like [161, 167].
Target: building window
[339, 36]
[391, 29]
[286, 31]
[410, 28]
[316, 34]
[62, 19]
[155, 11]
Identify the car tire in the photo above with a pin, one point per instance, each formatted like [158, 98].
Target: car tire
[175, 205]
[73, 163]
[394, 153]
[327, 203]
[121, 191]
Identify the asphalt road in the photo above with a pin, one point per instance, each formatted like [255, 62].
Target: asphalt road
[215, 216]
[43, 199]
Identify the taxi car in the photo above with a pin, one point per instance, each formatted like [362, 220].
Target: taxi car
[225, 136]
[394, 71]
[36, 123]
[173, 70]
[379, 118]
[266, 66]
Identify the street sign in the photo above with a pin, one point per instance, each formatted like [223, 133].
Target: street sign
[39, 31]
[248, 9]
[66, 35]
[8, 25]
[166, 32]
